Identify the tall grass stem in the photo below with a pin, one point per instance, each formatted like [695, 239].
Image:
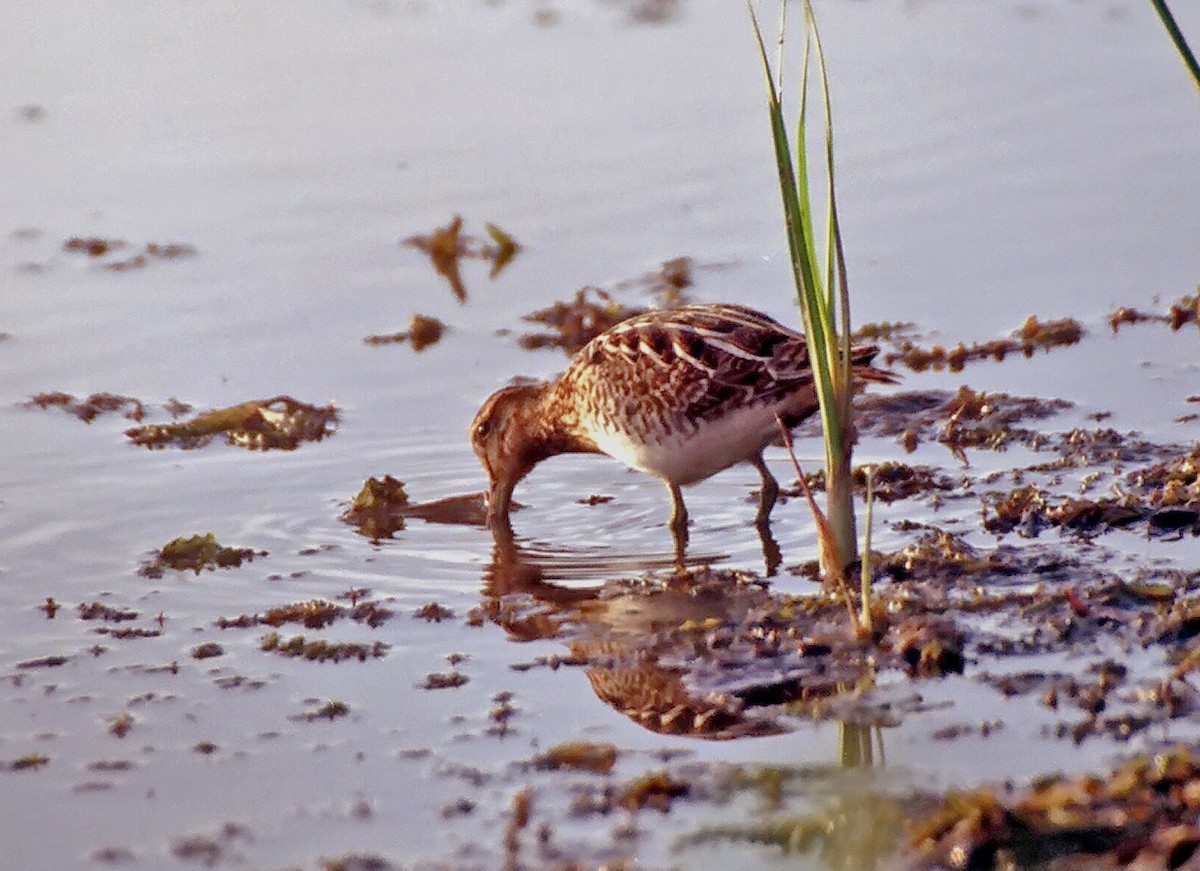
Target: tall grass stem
[1177, 37]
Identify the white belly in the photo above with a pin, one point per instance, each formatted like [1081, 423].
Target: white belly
[685, 458]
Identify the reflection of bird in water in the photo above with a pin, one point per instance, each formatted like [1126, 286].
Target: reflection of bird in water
[680, 393]
[643, 646]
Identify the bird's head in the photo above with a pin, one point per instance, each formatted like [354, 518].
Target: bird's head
[505, 436]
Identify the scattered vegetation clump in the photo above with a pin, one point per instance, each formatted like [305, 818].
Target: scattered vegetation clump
[374, 510]
[937, 552]
[107, 613]
[97, 247]
[280, 423]
[92, 246]
[312, 614]
[965, 419]
[121, 725]
[667, 284]
[1137, 815]
[596, 757]
[44, 662]
[442, 680]
[891, 481]
[207, 650]
[421, 333]
[447, 245]
[382, 506]
[1165, 496]
[1184, 311]
[197, 553]
[28, 762]
[1033, 335]
[359, 862]
[90, 407]
[656, 790]
[1170, 484]
[670, 280]
[319, 650]
[331, 710]
[433, 613]
[571, 325]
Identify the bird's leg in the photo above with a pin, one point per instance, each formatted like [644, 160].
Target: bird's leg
[770, 489]
[679, 518]
[772, 555]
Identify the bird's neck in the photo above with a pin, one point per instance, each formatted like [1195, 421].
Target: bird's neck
[554, 423]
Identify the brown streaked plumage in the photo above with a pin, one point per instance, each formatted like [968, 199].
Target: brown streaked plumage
[679, 393]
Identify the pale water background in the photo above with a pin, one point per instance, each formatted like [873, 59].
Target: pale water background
[996, 160]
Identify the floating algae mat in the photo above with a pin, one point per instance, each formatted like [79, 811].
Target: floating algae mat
[281, 423]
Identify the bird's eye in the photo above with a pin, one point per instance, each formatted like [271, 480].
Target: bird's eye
[483, 429]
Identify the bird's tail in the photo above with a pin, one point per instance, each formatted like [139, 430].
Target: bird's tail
[861, 357]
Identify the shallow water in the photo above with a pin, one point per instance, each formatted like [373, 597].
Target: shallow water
[996, 161]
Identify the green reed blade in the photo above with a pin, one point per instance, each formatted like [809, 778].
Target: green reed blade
[1181, 45]
[821, 287]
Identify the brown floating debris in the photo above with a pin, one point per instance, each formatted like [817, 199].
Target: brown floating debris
[281, 423]
[655, 790]
[312, 614]
[375, 510]
[92, 246]
[207, 650]
[598, 758]
[382, 506]
[319, 650]
[442, 680]
[1033, 335]
[422, 332]
[121, 724]
[1184, 311]
[891, 481]
[1165, 496]
[433, 613]
[98, 247]
[100, 611]
[44, 662]
[331, 710]
[89, 408]
[196, 553]
[28, 762]
[573, 324]
[447, 245]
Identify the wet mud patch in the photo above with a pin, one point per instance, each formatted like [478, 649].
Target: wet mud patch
[962, 420]
[1141, 814]
[891, 481]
